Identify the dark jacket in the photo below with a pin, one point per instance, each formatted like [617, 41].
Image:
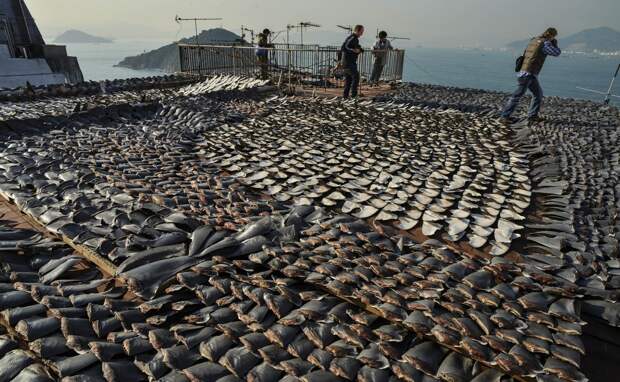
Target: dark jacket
[348, 56]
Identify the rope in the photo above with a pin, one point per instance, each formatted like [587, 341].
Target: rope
[424, 71]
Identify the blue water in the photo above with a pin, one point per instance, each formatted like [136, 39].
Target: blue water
[495, 71]
[450, 67]
[97, 60]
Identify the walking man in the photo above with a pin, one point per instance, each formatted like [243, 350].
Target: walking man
[350, 50]
[262, 53]
[380, 51]
[533, 61]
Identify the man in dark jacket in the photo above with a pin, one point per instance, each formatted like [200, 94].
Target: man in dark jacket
[533, 61]
[262, 53]
[350, 50]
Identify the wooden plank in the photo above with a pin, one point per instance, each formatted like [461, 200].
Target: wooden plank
[106, 266]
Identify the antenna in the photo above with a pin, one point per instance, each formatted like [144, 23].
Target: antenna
[607, 95]
[348, 28]
[301, 26]
[178, 20]
[306, 24]
[246, 29]
[276, 34]
[394, 37]
[288, 32]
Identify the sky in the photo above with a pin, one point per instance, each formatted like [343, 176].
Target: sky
[430, 23]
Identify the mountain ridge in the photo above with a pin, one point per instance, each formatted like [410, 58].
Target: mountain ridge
[167, 57]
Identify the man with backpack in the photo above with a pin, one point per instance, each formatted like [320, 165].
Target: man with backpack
[349, 52]
[529, 67]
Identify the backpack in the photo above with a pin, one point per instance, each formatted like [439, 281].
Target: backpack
[519, 63]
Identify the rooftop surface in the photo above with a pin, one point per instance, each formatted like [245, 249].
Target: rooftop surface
[218, 232]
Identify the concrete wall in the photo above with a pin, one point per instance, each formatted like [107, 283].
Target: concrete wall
[55, 51]
[14, 72]
[67, 66]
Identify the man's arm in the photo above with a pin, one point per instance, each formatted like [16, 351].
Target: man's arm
[551, 49]
[348, 44]
[353, 45]
[358, 47]
[376, 48]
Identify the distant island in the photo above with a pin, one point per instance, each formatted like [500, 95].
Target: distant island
[597, 40]
[78, 37]
[166, 58]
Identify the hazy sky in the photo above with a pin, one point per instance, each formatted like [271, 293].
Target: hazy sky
[446, 23]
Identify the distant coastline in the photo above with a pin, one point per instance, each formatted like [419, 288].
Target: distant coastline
[566, 52]
[78, 37]
[602, 41]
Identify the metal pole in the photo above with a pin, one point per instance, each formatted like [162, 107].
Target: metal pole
[289, 67]
[196, 28]
[233, 61]
[611, 85]
[195, 20]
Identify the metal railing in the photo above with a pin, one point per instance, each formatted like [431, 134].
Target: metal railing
[306, 64]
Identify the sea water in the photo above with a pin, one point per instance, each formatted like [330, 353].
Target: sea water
[97, 60]
[491, 70]
[494, 70]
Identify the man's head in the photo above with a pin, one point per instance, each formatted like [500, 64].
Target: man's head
[358, 30]
[266, 32]
[383, 35]
[550, 33]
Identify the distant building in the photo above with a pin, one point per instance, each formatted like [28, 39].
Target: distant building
[24, 56]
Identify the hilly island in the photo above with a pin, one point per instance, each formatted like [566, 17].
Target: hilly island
[78, 37]
[167, 57]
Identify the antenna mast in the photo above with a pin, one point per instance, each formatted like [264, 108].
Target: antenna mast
[306, 24]
[607, 95]
[246, 29]
[178, 20]
[347, 28]
[300, 26]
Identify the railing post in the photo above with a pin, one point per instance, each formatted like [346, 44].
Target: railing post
[233, 61]
[180, 58]
[289, 66]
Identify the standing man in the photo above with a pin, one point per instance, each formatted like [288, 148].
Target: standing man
[380, 52]
[262, 53]
[350, 50]
[533, 61]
